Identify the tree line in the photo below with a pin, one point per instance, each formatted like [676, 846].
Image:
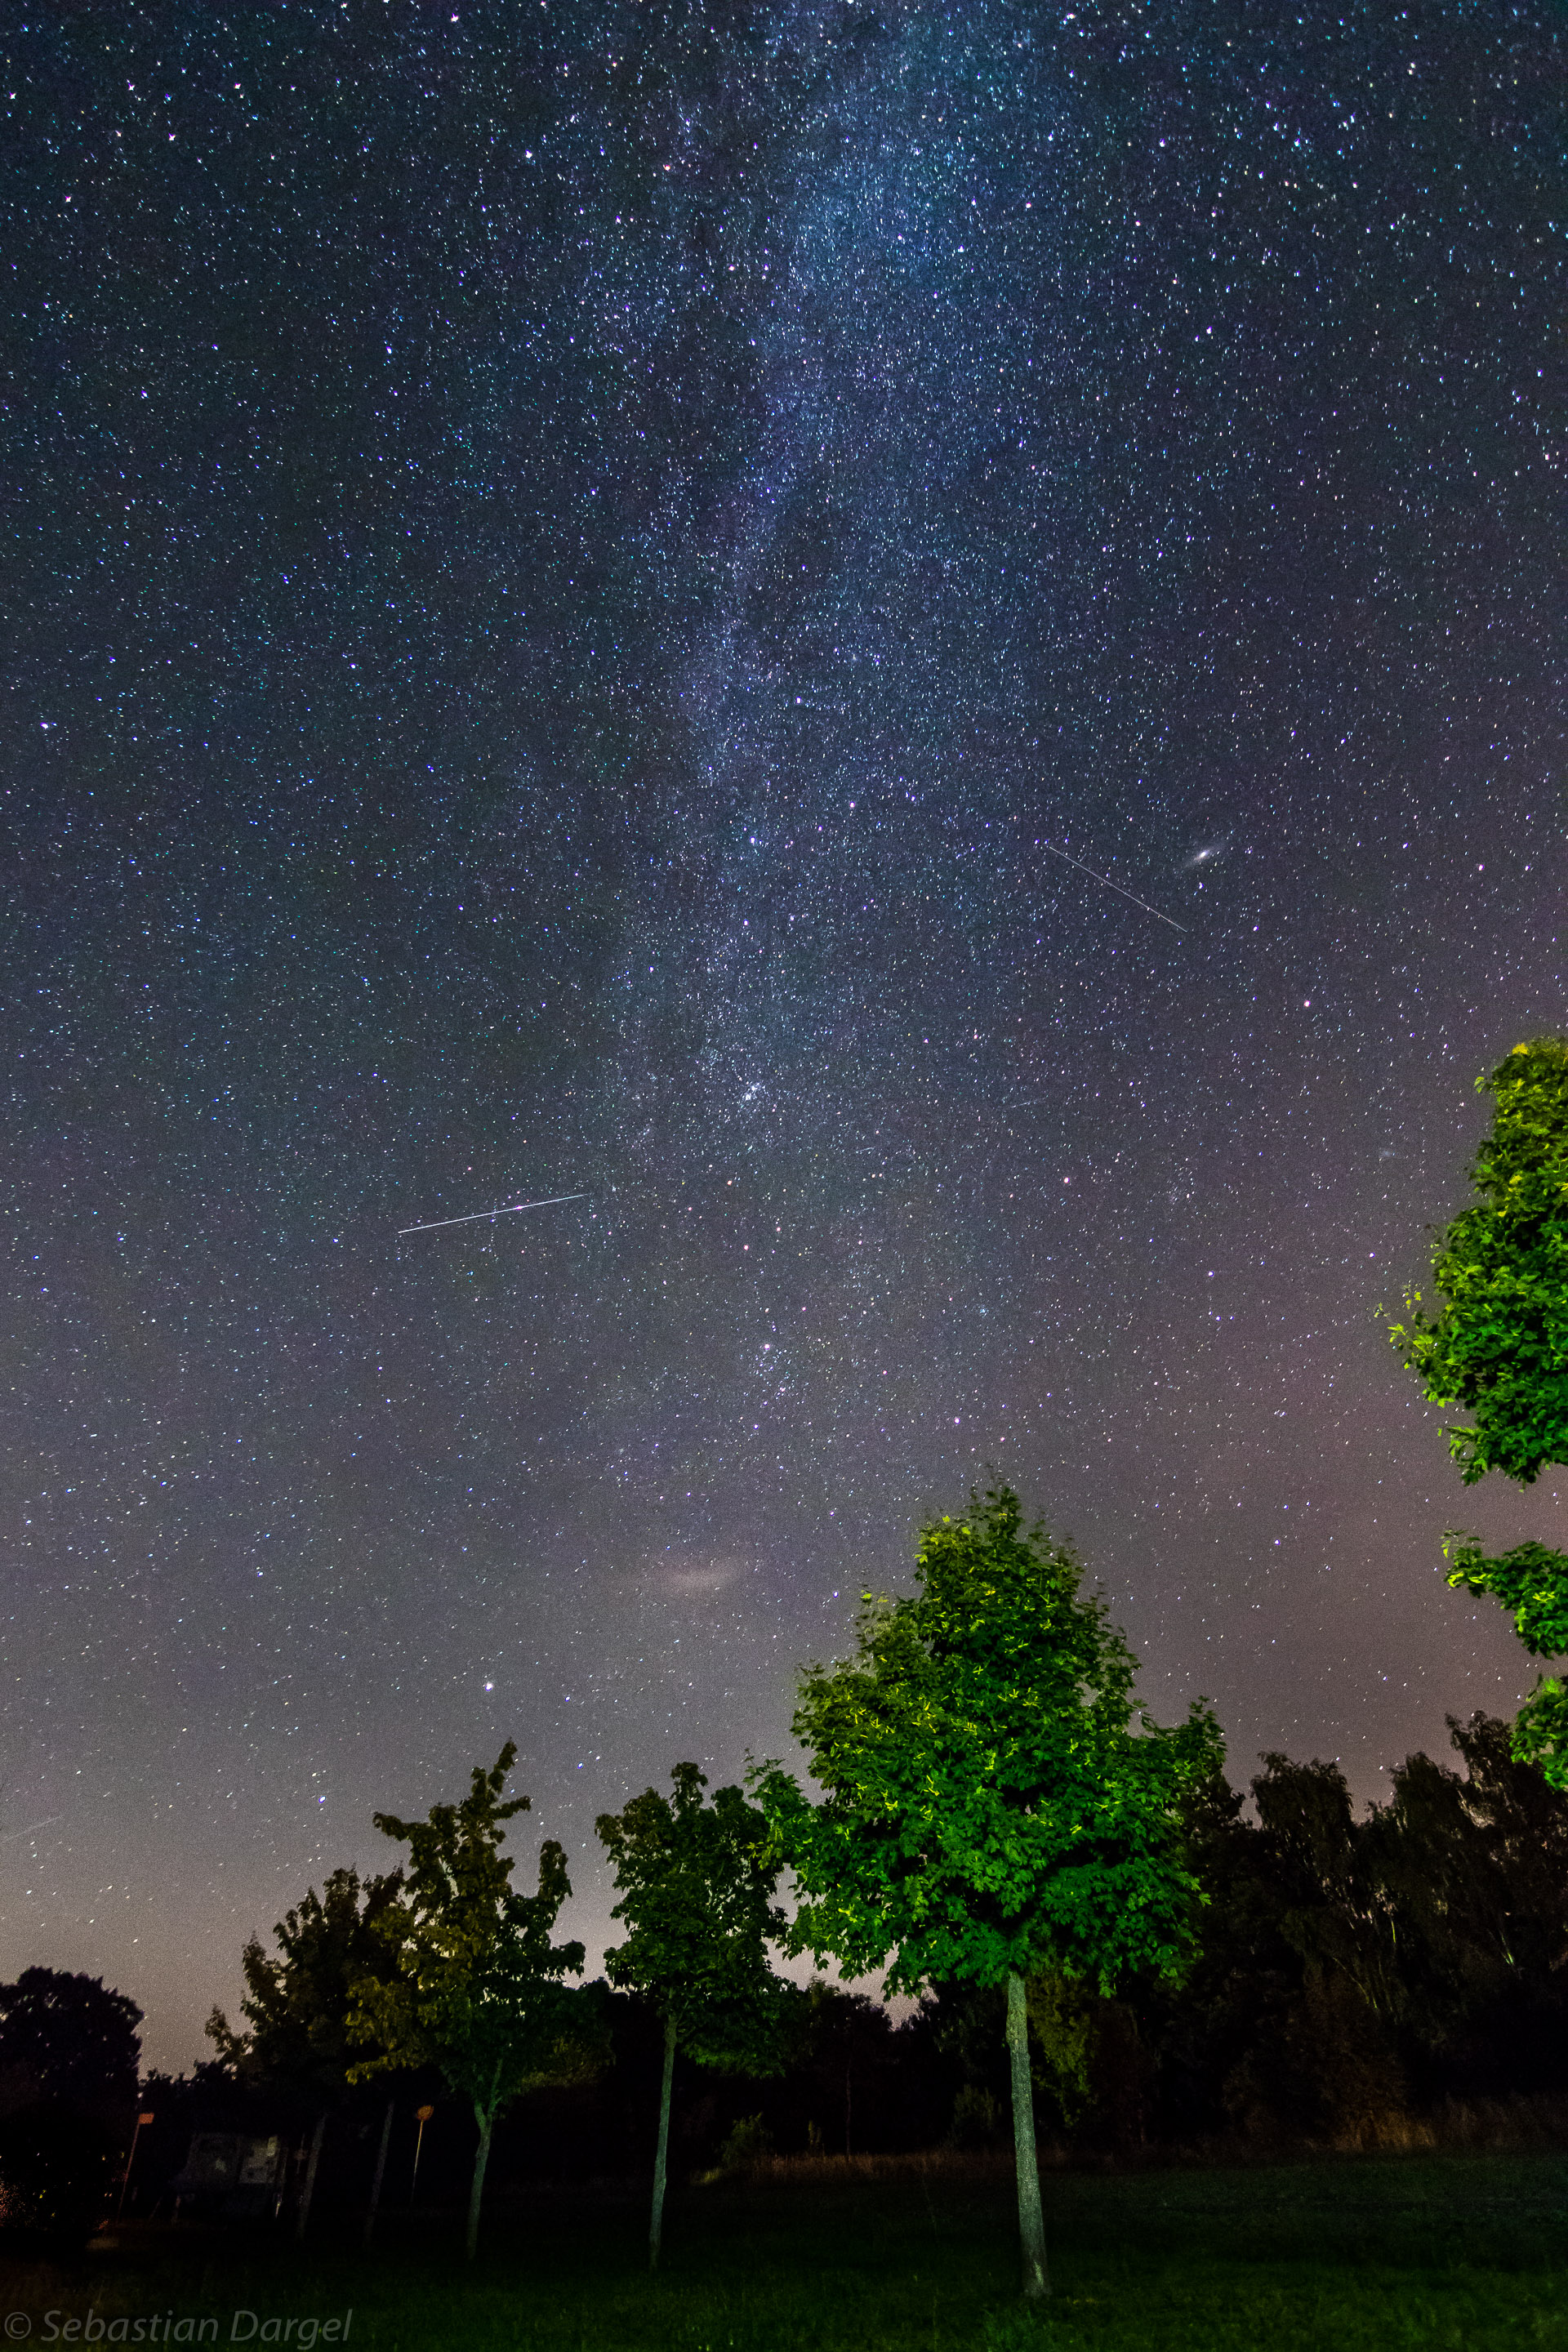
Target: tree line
[1354, 1974]
[992, 1806]
[1073, 1893]
[1087, 1912]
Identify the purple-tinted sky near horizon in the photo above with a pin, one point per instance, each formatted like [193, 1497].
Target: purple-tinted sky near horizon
[563, 564]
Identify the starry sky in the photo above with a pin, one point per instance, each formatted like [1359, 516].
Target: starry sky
[563, 564]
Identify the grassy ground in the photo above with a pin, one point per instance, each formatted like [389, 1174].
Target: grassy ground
[1345, 2256]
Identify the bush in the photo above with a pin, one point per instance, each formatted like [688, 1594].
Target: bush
[58, 2171]
[749, 2142]
[979, 2119]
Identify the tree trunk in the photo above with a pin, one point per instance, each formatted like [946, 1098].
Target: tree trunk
[302, 2218]
[1031, 2222]
[379, 2174]
[661, 2154]
[481, 2158]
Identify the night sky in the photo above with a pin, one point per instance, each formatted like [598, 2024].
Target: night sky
[562, 565]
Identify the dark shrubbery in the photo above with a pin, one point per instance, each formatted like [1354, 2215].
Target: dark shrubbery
[69, 2059]
[1382, 1979]
[68, 2042]
[58, 2171]
[1361, 1980]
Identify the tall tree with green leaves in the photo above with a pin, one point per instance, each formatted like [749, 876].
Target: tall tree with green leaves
[298, 1999]
[696, 1883]
[1498, 1348]
[475, 1985]
[995, 1805]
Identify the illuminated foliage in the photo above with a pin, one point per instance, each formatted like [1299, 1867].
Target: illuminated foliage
[994, 1806]
[1498, 1349]
[476, 1987]
[696, 1884]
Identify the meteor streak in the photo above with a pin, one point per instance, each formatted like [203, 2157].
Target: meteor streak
[1110, 884]
[480, 1216]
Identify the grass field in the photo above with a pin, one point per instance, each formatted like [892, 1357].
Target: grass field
[1456, 2251]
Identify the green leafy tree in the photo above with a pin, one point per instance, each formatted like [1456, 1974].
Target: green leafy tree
[995, 1807]
[1498, 1349]
[299, 1999]
[696, 1884]
[475, 1986]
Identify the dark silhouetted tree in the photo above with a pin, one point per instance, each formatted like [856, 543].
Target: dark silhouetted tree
[848, 2048]
[69, 2049]
[299, 1999]
[69, 2041]
[1355, 1967]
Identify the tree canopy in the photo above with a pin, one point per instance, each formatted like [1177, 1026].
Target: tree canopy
[1498, 1349]
[475, 1987]
[696, 1884]
[68, 2042]
[299, 1999]
[995, 1805]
